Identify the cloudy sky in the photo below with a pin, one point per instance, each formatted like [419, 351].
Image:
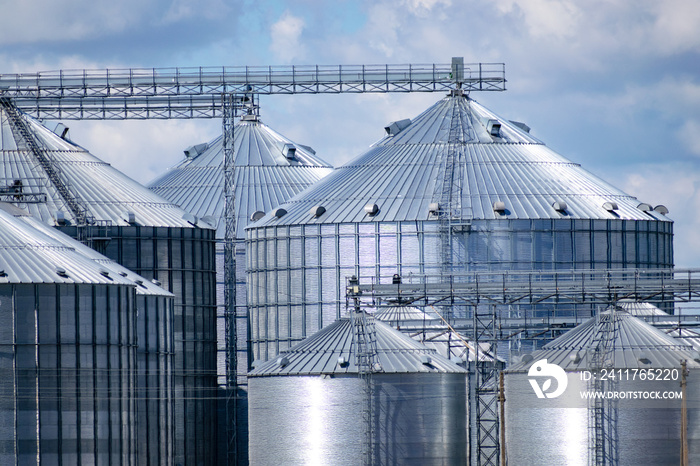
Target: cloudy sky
[611, 84]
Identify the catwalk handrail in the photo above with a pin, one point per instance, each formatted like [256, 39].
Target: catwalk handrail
[291, 79]
[594, 286]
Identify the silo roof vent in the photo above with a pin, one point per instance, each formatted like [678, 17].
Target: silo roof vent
[521, 125]
[425, 360]
[493, 127]
[283, 362]
[60, 217]
[61, 272]
[434, 208]
[289, 151]
[129, 217]
[644, 207]
[395, 127]
[194, 151]
[343, 361]
[317, 211]
[257, 215]
[499, 206]
[610, 206]
[371, 209]
[189, 218]
[559, 206]
[661, 209]
[279, 213]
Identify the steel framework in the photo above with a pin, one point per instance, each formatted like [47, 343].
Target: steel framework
[167, 93]
[487, 294]
[224, 92]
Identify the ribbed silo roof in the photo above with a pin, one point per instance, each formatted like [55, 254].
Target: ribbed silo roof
[143, 286]
[29, 256]
[494, 160]
[400, 313]
[319, 354]
[634, 343]
[269, 170]
[432, 332]
[105, 192]
[642, 309]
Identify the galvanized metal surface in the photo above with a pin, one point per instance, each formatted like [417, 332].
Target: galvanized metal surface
[153, 369]
[399, 174]
[419, 418]
[67, 354]
[30, 256]
[555, 430]
[636, 345]
[105, 192]
[298, 263]
[152, 237]
[331, 351]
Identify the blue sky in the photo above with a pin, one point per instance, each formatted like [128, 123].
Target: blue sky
[611, 84]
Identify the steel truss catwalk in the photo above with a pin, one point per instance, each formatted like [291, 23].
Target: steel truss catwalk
[569, 287]
[165, 93]
[490, 296]
[225, 92]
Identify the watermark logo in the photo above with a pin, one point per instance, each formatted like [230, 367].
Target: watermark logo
[542, 369]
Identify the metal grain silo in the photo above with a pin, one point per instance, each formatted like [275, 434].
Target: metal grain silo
[270, 169]
[62, 184]
[456, 189]
[153, 370]
[636, 424]
[433, 332]
[67, 354]
[315, 404]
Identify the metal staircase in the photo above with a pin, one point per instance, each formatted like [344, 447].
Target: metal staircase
[602, 423]
[51, 169]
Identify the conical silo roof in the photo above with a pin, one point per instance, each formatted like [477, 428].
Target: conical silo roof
[270, 169]
[29, 256]
[393, 315]
[143, 286]
[633, 343]
[107, 194]
[320, 353]
[640, 309]
[492, 159]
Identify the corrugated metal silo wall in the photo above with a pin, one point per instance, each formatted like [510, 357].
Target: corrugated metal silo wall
[417, 418]
[67, 354]
[154, 379]
[556, 431]
[296, 274]
[183, 260]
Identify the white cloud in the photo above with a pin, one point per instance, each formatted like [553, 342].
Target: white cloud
[689, 134]
[424, 7]
[285, 37]
[556, 18]
[676, 26]
[40, 20]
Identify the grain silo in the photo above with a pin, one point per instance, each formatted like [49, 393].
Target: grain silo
[639, 374]
[153, 373]
[456, 189]
[62, 184]
[270, 169]
[68, 349]
[358, 391]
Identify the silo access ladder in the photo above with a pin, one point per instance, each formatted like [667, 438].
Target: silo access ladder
[53, 172]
